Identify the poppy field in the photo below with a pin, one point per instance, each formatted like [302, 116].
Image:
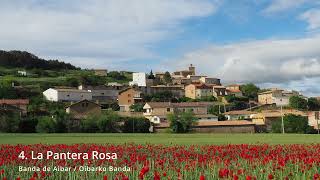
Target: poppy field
[151, 161]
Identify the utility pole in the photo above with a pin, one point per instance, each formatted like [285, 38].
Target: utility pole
[132, 125]
[282, 123]
[317, 119]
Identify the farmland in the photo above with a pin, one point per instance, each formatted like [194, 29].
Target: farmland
[158, 162]
[166, 139]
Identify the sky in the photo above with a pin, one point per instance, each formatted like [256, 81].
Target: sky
[272, 43]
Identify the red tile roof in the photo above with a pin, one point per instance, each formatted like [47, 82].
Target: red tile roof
[14, 101]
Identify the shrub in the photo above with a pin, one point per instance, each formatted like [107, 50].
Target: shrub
[136, 125]
[9, 122]
[137, 107]
[89, 125]
[292, 124]
[46, 124]
[108, 122]
[181, 122]
[298, 103]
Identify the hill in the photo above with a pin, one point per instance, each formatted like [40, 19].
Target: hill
[23, 59]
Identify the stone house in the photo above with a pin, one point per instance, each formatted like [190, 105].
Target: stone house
[184, 73]
[83, 109]
[198, 91]
[195, 78]
[180, 80]
[176, 90]
[234, 89]
[100, 72]
[209, 80]
[18, 105]
[219, 91]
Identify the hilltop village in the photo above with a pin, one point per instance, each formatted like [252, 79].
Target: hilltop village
[179, 101]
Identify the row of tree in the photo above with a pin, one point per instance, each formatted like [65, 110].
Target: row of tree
[23, 59]
[301, 103]
[60, 122]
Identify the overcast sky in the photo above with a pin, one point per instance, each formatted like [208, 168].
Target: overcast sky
[274, 43]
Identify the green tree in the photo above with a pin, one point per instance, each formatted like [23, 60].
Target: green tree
[167, 78]
[92, 80]
[313, 104]
[61, 119]
[117, 75]
[292, 124]
[73, 82]
[208, 99]
[9, 121]
[46, 124]
[7, 91]
[136, 125]
[185, 99]
[181, 122]
[137, 107]
[90, 124]
[108, 122]
[159, 97]
[298, 102]
[250, 90]
[151, 75]
[214, 109]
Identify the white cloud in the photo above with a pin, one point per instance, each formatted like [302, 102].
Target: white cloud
[265, 61]
[312, 16]
[115, 30]
[277, 6]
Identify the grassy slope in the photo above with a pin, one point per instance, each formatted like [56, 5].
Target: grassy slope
[182, 139]
[58, 79]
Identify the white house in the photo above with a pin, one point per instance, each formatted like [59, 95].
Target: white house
[139, 79]
[22, 73]
[58, 95]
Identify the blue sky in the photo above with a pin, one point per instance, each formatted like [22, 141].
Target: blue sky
[273, 43]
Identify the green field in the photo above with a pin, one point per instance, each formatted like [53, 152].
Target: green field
[167, 139]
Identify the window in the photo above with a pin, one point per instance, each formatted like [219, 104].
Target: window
[102, 93]
[82, 104]
[129, 101]
[192, 110]
[129, 95]
[68, 95]
[168, 109]
[87, 104]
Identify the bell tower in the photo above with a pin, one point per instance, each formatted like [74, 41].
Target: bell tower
[192, 69]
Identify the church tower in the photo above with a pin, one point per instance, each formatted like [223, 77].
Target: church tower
[192, 69]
